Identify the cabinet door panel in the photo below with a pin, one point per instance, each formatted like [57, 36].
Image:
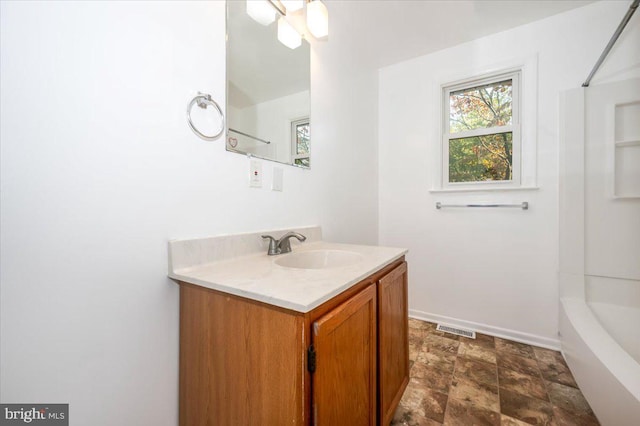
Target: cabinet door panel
[241, 363]
[344, 383]
[393, 341]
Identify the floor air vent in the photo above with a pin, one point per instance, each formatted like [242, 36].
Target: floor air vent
[458, 331]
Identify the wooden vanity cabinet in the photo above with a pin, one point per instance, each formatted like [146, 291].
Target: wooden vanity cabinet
[393, 341]
[344, 378]
[244, 362]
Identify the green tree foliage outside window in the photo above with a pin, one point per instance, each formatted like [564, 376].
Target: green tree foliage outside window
[485, 157]
[302, 144]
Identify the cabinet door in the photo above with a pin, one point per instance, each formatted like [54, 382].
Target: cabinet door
[344, 382]
[241, 362]
[393, 341]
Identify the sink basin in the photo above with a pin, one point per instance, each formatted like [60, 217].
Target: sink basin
[319, 259]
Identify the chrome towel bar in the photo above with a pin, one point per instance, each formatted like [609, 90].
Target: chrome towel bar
[203, 100]
[524, 205]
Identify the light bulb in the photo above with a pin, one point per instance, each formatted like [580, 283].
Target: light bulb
[261, 11]
[317, 19]
[287, 35]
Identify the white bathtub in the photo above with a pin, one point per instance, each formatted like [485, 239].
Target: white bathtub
[607, 374]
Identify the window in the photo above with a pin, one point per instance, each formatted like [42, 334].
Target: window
[300, 142]
[481, 135]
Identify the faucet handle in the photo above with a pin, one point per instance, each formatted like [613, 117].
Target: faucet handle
[284, 245]
[273, 245]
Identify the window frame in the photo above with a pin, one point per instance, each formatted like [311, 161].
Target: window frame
[294, 141]
[515, 128]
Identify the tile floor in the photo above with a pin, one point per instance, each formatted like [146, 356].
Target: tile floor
[487, 381]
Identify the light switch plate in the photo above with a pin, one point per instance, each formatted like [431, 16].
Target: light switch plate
[255, 174]
[276, 185]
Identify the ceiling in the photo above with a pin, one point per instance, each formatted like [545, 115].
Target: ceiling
[391, 31]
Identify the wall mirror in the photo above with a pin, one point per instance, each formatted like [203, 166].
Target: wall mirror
[267, 91]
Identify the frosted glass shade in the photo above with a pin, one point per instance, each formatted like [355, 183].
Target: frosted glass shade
[287, 35]
[261, 11]
[317, 19]
[292, 5]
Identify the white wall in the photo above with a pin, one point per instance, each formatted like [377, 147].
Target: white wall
[99, 170]
[495, 270]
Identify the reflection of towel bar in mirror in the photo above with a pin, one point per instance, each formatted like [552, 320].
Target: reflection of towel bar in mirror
[248, 135]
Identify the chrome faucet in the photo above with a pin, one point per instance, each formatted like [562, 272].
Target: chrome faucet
[283, 245]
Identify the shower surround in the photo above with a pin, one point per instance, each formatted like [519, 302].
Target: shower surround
[599, 250]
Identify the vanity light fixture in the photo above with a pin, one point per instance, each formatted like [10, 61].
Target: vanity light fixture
[292, 5]
[264, 12]
[261, 11]
[317, 19]
[287, 35]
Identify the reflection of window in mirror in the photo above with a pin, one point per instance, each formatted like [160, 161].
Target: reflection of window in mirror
[300, 142]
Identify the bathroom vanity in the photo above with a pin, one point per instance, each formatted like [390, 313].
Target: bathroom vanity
[322, 340]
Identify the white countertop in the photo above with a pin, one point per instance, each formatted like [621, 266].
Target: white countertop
[256, 276]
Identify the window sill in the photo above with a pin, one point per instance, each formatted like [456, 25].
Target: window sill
[484, 189]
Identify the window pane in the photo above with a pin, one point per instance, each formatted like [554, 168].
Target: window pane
[302, 138]
[304, 162]
[481, 107]
[481, 158]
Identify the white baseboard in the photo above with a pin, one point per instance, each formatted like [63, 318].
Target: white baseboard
[517, 336]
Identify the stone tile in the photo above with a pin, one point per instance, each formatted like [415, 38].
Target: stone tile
[448, 336]
[480, 371]
[558, 374]
[413, 394]
[416, 340]
[434, 405]
[442, 344]
[514, 348]
[442, 333]
[436, 359]
[438, 380]
[510, 421]
[483, 340]
[476, 352]
[481, 395]
[463, 413]
[451, 336]
[415, 324]
[413, 353]
[548, 356]
[553, 367]
[569, 399]
[565, 418]
[405, 417]
[419, 400]
[523, 384]
[492, 381]
[527, 409]
[414, 350]
[416, 334]
[517, 363]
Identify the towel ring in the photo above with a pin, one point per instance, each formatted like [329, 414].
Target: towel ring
[203, 100]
